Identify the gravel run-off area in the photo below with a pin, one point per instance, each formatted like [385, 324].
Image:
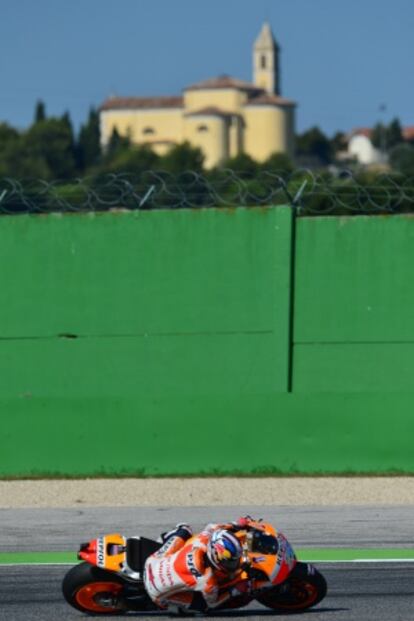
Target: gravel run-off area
[175, 492]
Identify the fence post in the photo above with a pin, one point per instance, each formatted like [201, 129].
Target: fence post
[291, 319]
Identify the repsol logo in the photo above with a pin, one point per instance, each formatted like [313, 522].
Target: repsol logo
[100, 552]
[191, 565]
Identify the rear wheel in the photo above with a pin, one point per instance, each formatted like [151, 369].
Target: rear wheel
[93, 590]
[304, 588]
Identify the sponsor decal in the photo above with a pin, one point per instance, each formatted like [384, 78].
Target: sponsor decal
[165, 567]
[285, 555]
[290, 557]
[191, 565]
[161, 573]
[100, 552]
[150, 574]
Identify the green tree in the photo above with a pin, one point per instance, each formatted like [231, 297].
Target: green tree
[135, 160]
[66, 120]
[242, 164]
[315, 145]
[52, 142]
[338, 142]
[182, 157]
[116, 144]
[278, 162]
[89, 142]
[379, 136]
[385, 137]
[9, 141]
[402, 159]
[67, 124]
[40, 112]
[394, 134]
[15, 161]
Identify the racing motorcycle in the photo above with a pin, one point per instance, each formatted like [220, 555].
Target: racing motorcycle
[109, 580]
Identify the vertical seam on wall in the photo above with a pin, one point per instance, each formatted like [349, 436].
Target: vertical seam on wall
[291, 315]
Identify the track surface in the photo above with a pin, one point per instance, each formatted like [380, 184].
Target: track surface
[357, 592]
[63, 529]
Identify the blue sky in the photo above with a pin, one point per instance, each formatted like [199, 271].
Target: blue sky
[340, 59]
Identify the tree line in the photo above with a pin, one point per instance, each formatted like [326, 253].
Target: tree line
[50, 149]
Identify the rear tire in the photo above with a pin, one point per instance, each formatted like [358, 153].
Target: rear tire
[304, 588]
[84, 584]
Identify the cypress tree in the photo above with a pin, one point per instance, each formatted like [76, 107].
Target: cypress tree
[89, 142]
[40, 112]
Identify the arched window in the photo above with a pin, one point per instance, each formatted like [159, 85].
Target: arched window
[263, 61]
[202, 128]
[148, 130]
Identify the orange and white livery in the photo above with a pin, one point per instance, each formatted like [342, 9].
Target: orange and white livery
[179, 570]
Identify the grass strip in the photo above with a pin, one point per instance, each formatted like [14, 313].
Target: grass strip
[353, 554]
[260, 472]
[303, 554]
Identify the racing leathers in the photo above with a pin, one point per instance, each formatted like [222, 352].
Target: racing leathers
[179, 575]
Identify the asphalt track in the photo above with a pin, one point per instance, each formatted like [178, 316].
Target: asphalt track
[357, 591]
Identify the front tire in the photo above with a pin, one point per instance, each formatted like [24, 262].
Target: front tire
[304, 588]
[85, 587]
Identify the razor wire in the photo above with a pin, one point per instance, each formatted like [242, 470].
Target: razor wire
[308, 192]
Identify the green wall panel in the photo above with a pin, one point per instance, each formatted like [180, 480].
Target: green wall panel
[181, 358]
[138, 367]
[174, 271]
[274, 433]
[354, 279]
[354, 367]
[354, 304]
[174, 313]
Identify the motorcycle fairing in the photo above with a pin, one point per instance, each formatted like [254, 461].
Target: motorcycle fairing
[278, 563]
[107, 552]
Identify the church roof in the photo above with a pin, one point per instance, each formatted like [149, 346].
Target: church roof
[265, 38]
[407, 132]
[223, 81]
[210, 111]
[132, 103]
[360, 131]
[267, 99]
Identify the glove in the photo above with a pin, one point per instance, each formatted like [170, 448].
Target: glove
[181, 530]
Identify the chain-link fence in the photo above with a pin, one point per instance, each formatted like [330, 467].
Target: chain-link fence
[309, 193]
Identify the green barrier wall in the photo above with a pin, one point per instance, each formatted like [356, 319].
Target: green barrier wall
[173, 311]
[354, 304]
[159, 343]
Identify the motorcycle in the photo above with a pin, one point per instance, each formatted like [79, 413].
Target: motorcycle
[109, 580]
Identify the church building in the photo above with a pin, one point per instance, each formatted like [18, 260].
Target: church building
[223, 116]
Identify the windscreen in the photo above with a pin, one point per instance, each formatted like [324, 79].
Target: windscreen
[266, 544]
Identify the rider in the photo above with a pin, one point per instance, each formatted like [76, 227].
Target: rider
[187, 576]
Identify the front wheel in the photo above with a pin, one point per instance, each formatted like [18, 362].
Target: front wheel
[93, 590]
[304, 588]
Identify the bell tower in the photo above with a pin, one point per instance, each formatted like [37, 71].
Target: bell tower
[266, 73]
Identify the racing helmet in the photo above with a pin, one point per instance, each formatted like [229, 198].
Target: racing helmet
[224, 551]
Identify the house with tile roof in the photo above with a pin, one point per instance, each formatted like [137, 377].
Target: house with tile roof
[362, 149]
[223, 116]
